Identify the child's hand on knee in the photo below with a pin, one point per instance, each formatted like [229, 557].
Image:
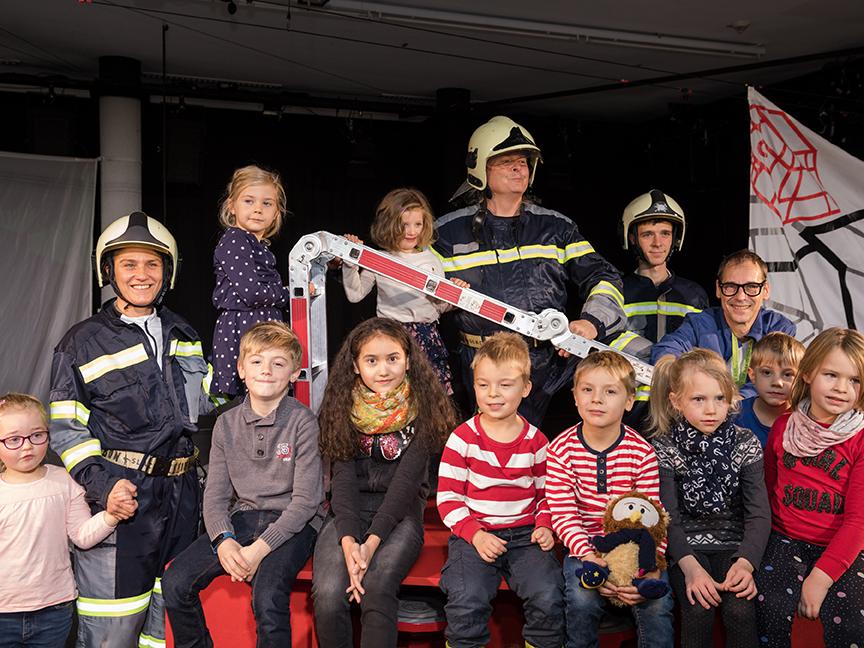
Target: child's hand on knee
[544, 537]
[813, 592]
[739, 579]
[253, 554]
[351, 554]
[701, 588]
[488, 545]
[232, 560]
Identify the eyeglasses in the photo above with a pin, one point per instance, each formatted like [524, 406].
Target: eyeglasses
[730, 288]
[15, 442]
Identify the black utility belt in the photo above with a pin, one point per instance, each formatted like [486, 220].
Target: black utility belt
[151, 464]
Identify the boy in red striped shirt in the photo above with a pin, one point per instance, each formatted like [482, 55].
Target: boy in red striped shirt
[588, 465]
[491, 495]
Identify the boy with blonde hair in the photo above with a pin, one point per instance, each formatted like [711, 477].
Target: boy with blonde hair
[263, 500]
[772, 371]
[491, 495]
[589, 464]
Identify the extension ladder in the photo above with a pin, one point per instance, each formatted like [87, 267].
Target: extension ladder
[308, 267]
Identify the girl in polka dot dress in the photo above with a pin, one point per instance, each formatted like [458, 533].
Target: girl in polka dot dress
[248, 288]
[404, 227]
[814, 470]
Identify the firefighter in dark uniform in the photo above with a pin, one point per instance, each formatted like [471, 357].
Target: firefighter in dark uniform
[127, 387]
[513, 250]
[656, 300]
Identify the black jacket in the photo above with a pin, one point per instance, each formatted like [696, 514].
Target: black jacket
[527, 262]
[108, 393]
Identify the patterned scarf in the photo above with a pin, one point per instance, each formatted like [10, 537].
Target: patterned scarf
[805, 437]
[711, 479]
[374, 413]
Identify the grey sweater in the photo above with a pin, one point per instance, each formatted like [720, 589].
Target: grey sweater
[267, 463]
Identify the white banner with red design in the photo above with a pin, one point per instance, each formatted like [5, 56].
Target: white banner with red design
[806, 221]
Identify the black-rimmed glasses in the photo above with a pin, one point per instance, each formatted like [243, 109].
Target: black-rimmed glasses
[15, 442]
[730, 288]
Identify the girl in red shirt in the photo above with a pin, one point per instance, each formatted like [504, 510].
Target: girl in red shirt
[814, 461]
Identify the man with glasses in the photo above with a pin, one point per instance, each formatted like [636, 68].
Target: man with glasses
[508, 247]
[737, 324]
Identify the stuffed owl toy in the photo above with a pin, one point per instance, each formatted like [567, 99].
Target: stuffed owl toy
[635, 526]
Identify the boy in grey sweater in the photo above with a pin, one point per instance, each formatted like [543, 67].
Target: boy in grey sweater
[263, 504]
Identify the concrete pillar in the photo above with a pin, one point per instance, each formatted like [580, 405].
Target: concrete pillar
[119, 141]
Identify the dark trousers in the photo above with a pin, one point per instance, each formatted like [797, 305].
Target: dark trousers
[471, 583]
[786, 564]
[379, 607]
[197, 566]
[45, 628]
[697, 623]
[120, 600]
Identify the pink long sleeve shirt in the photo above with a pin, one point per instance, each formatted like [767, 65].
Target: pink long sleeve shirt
[36, 522]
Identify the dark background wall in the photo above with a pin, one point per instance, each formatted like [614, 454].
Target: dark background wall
[335, 170]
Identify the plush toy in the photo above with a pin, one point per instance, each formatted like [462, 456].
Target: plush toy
[634, 526]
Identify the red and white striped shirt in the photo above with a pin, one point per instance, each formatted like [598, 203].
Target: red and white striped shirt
[581, 481]
[484, 484]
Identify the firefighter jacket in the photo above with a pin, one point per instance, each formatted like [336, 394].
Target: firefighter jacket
[108, 393]
[527, 262]
[653, 311]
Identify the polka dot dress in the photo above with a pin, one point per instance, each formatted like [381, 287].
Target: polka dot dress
[248, 290]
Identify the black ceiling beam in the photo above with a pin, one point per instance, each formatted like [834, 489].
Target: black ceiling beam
[672, 78]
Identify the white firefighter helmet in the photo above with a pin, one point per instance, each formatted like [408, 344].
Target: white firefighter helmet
[654, 205]
[497, 136]
[136, 230]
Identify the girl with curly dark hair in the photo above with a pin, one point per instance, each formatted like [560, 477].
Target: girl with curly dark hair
[384, 412]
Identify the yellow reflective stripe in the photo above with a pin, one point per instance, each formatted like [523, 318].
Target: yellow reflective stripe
[606, 288]
[189, 349]
[490, 257]
[70, 409]
[78, 453]
[473, 260]
[157, 586]
[146, 641]
[205, 384]
[542, 252]
[659, 308]
[508, 255]
[113, 607]
[120, 360]
[623, 340]
[574, 250]
[643, 392]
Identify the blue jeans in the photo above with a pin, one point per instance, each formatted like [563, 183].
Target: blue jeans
[585, 610]
[45, 628]
[197, 566]
[471, 583]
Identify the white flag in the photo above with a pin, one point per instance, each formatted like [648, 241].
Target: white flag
[806, 221]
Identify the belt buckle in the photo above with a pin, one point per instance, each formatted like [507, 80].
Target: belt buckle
[159, 466]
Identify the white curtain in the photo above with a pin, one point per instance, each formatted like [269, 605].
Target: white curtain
[46, 238]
